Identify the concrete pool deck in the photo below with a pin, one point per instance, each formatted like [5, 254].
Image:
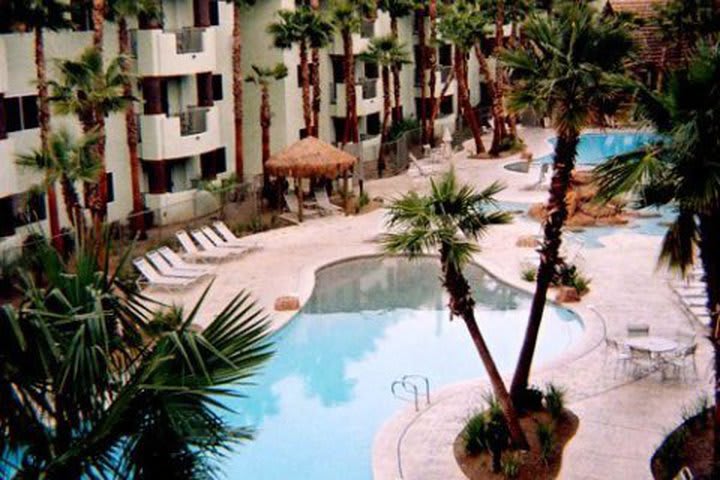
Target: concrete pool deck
[621, 421]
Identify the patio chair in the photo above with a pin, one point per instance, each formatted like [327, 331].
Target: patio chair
[224, 231]
[154, 279]
[209, 247]
[293, 206]
[218, 241]
[165, 268]
[321, 197]
[193, 252]
[683, 359]
[620, 355]
[642, 361]
[638, 330]
[685, 337]
[176, 261]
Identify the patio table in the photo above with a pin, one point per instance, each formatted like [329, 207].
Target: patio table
[652, 344]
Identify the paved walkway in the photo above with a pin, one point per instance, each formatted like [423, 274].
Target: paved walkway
[621, 421]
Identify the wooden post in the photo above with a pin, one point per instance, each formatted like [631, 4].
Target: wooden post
[346, 194]
[299, 191]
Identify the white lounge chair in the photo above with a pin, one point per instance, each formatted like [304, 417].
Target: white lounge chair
[164, 267]
[324, 202]
[192, 251]
[220, 242]
[227, 234]
[176, 261]
[155, 279]
[209, 247]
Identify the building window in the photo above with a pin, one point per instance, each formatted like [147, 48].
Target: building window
[445, 55]
[303, 133]
[371, 70]
[110, 185]
[217, 87]
[212, 164]
[7, 224]
[372, 124]
[21, 209]
[446, 105]
[21, 113]
[214, 13]
[81, 15]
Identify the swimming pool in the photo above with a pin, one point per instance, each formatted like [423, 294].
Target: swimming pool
[320, 400]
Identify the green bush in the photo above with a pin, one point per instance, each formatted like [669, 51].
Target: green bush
[511, 465]
[670, 453]
[530, 400]
[399, 128]
[488, 431]
[554, 400]
[529, 274]
[475, 434]
[546, 438]
[363, 199]
[568, 275]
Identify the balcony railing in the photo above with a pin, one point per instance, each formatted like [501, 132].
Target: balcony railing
[332, 88]
[193, 121]
[367, 29]
[369, 87]
[189, 40]
[368, 136]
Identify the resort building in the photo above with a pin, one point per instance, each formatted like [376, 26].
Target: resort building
[184, 76]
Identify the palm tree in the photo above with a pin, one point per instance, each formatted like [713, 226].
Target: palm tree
[308, 29]
[396, 9]
[461, 25]
[98, 21]
[347, 21]
[570, 69]
[451, 219]
[95, 385]
[120, 11]
[682, 170]
[91, 93]
[422, 65]
[67, 160]
[386, 52]
[238, 6]
[431, 67]
[41, 15]
[686, 22]
[263, 76]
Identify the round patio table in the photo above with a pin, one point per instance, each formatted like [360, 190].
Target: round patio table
[652, 344]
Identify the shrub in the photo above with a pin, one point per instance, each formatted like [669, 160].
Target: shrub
[670, 452]
[529, 274]
[511, 465]
[475, 434]
[399, 128]
[363, 199]
[9, 267]
[568, 275]
[546, 438]
[530, 400]
[554, 400]
[488, 431]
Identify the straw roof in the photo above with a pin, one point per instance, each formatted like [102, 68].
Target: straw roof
[310, 157]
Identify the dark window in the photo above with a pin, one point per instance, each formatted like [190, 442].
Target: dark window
[110, 187]
[21, 113]
[373, 124]
[338, 68]
[446, 105]
[27, 208]
[217, 87]
[212, 163]
[81, 15]
[339, 124]
[445, 55]
[221, 159]
[303, 133]
[214, 13]
[371, 70]
[7, 224]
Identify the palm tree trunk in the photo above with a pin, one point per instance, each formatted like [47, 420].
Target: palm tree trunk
[387, 110]
[397, 111]
[131, 131]
[464, 98]
[44, 121]
[98, 201]
[351, 133]
[238, 92]
[496, 101]
[709, 240]
[265, 122]
[422, 47]
[563, 165]
[499, 130]
[316, 94]
[463, 305]
[432, 84]
[98, 18]
[305, 82]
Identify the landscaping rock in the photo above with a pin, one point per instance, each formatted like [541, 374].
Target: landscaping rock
[287, 303]
[567, 295]
[527, 241]
[526, 155]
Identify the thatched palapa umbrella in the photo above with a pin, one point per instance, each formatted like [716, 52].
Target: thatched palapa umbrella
[308, 158]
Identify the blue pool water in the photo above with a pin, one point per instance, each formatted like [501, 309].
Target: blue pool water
[595, 148]
[321, 399]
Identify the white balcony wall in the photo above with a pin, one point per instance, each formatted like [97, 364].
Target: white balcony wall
[8, 170]
[172, 208]
[365, 106]
[3, 67]
[162, 137]
[158, 55]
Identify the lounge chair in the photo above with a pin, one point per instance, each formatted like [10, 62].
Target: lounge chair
[324, 202]
[220, 242]
[165, 268]
[193, 252]
[209, 247]
[176, 261]
[638, 330]
[155, 279]
[293, 205]
[227, 234]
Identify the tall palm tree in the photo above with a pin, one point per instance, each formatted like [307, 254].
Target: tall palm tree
[95, 385]
[450, 220]
[41, 15]
[682, 171]
[422, 64]
[91, 93]
[347, 21]
[120, 11]
[461, 25]
[396, 9]
[98, 21]
[238, 6]
[69, 161]
[386, 52]
[431, 65]
[262, 77]
[308, 29]
[571, 69]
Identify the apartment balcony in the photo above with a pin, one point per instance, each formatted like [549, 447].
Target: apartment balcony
[442, 76]
[191, 132]
[3, 67]
[162, 53]
[368, 93]
[9, 181]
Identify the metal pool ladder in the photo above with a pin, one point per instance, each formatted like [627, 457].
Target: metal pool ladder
[415, 385]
